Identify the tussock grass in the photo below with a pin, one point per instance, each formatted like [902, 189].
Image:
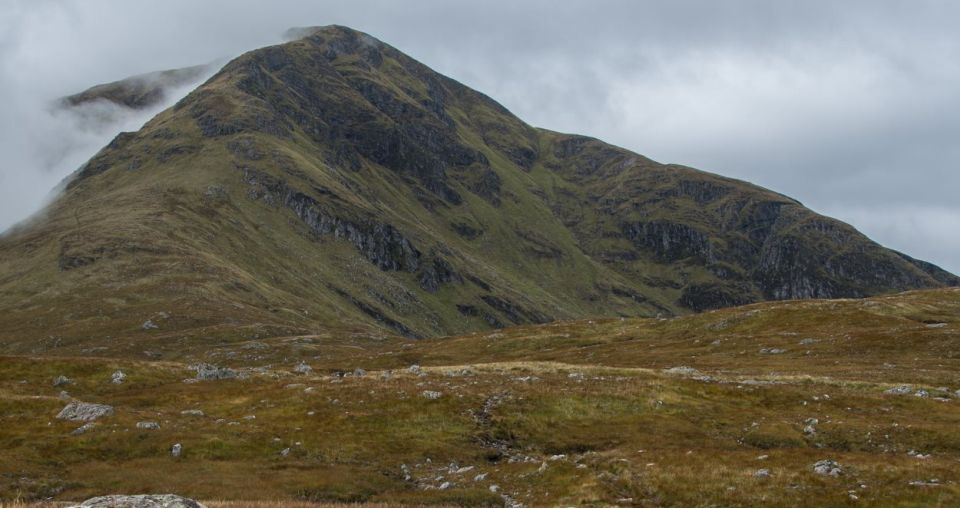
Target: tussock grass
[561, 414]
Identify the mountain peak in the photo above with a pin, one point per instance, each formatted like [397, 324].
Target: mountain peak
[333, 182]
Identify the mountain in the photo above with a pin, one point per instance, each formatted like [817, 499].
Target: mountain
[333, 184]
[138, 92]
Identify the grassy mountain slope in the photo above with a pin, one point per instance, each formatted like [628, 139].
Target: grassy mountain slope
[333, 183]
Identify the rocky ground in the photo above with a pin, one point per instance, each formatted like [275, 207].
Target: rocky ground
[741, 407]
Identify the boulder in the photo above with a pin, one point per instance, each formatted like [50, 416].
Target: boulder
[206, 372]
[303, 368]
[140, 501]
[84, 412]
[827, 467]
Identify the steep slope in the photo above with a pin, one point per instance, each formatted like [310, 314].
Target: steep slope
[335, 183]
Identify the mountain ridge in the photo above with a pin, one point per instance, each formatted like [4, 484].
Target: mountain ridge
[335, 182]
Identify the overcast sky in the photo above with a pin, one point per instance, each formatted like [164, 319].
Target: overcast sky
[851, 107]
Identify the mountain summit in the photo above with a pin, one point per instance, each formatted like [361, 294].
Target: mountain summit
[335, 183]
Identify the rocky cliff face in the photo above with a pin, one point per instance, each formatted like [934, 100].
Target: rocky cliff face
[333, 181]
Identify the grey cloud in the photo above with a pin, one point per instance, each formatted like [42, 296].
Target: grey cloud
[848, 106]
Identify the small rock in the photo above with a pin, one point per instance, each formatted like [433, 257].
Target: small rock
[148, 425]
[827, 467]
[176, 450]
[64, 395]
[414, 369]
[207, 372]
[358, 372]
[900, 390]
[431, 395]
[480, 477]
[84, 412]
[809, 430]
[192, 412]
[772, 351]
[140, 501]
[444, 486]
[62, 380]
[762, 473]
[303, 368]
[149, 325]
[284, 452]
[118, 377]
[682, 370]
[84, 428]
[922, 393]
[936, 325]
[494, 488]
[807, 342]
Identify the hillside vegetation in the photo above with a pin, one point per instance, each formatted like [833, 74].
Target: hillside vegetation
[731, 407]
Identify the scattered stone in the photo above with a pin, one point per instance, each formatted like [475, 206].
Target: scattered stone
[284, 452]
[303, 368]
[494, 488]
[84, 412]
[358, 372]
[149, 325]
[936, 325]
[933, 482]
[431, 395]
[414, 369]
[900, 390]
[83, 428]
[192, 412]
[118, 377]
[762, 473]
[148, 425]
[207, 372]
[809, 430]
[807, 342]
[480, 477]
[682, 370]
[64, 395]
[828, 468]
[176, 450]
[62, 380]
[444, 486]
[140, 501]
[772, 351]
[922, 393]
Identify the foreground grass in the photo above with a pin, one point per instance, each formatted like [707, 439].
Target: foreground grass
[564, 414]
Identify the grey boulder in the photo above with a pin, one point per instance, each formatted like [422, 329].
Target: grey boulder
[140, 501]
[84, 412]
